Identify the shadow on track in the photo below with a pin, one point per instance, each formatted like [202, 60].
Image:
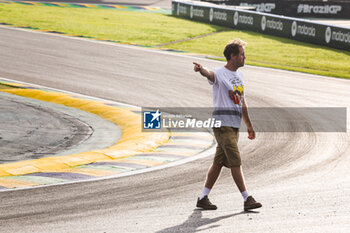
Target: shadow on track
[195, 220]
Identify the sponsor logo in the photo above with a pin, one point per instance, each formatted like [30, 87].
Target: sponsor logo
[235, 18]
[152, 119]
[246, 19]
[197, 12]
[217, 15]
[294, 28]
[211, 14]
[303, 30]
[317, 9]
[341, 36]
[262, 7]
[271, 24]
[263, 23]
[242, 19]
[338, 36]
[328, 34]
[181, 9]
[307, 31]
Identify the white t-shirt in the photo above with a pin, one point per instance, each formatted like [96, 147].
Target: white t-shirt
[228, 93]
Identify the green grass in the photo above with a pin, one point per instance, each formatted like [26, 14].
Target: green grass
[151, 29]
[275, 52]
[124, 26]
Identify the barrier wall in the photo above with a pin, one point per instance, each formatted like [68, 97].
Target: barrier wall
[293, 28]
[295, 8]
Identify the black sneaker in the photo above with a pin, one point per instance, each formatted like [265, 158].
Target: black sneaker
[205, 204]
[250, 204]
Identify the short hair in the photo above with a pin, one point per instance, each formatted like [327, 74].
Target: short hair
[233, 47]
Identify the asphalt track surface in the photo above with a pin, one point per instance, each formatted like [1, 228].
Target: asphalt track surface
[32, 129]
[36, 130]
[300, 178]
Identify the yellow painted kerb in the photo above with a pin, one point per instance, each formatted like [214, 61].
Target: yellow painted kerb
[133, 140]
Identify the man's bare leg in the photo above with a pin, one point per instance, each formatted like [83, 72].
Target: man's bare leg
[213, 175]
[238, 177]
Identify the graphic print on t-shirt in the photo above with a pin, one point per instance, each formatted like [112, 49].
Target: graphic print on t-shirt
[236, 94]
[228, 94]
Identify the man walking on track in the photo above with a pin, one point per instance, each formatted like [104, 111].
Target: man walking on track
[229, 108]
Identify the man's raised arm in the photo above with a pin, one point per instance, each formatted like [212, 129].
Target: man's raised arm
[204, 71]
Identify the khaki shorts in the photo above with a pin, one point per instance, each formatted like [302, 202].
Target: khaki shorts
[227, 153]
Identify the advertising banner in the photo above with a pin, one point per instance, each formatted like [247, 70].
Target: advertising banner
[301, 8]
[293, 28]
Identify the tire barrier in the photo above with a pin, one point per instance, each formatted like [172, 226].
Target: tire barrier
[292, 28]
